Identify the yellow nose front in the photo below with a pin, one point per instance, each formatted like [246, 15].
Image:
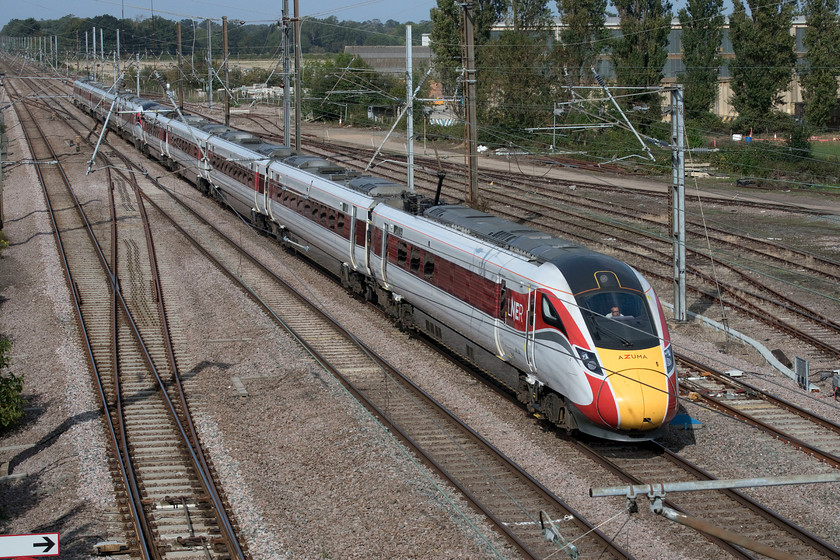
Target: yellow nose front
[642, 398]
[639, 386]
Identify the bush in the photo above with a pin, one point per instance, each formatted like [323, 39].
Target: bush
[11, 386]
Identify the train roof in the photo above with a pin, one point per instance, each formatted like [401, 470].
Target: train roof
[539, 245]
[240, 137]
[215, 128]
[314, 164]
[576, 261]
[193, 120]
[376, 186]
[275, 151]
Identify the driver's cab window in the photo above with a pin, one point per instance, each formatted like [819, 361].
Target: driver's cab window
[618, 319]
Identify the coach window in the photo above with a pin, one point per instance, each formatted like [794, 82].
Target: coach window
[331, 219]
[414, 264]
[429, 266]
[402, 253]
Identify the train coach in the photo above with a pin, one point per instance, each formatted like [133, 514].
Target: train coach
[580, 337]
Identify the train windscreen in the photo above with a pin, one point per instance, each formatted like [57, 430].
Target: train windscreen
[618, 320]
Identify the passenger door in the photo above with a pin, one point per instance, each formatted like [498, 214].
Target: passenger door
[530, 330]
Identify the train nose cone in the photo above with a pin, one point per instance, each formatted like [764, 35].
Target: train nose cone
[641, 396]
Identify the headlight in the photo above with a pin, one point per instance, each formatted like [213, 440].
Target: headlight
[669, 360]
[590, 361]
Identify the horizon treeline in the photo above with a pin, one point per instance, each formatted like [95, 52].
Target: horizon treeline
[157, 35]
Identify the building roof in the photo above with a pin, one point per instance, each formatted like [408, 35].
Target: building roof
[391, 60]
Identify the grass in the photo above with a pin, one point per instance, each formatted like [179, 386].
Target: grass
[827, 151]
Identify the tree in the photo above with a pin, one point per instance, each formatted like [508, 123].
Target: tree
[582, 38]
[447, 20]
[345, 83]
[11, 386]
[702, 32]
[515, 82]
[529, 15]
[29, 27]
[764, 58]
[822, 42]
[640, 53]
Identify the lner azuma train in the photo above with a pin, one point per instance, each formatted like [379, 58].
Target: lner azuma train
[580, 337]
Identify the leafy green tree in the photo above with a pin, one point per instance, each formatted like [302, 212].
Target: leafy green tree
[11, 386]
[29, 27]
[529, 15]
[344, 86]
[514, 81]
[702, 32]
[157, 35]
[582, 38]
[819, 78]
[447, 23]
[764, 57]
[640, 53]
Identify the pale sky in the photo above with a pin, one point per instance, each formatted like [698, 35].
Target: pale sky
[251, 11]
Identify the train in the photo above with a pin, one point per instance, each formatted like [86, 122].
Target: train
[578, 336]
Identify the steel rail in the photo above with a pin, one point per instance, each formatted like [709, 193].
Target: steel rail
[228, 532]
[784, 525]
[778, 433]
[141, 529]
[199, 465]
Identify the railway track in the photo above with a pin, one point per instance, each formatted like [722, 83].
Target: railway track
[173, 508]
[513, 501]
[510, 499]
[651, 463]
[814, 449]
[761, 524]
[800, 428]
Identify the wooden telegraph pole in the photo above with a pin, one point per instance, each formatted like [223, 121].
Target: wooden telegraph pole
[225, 55]
[297, 76]
[180, 72]
[472, 126]
[287, 106]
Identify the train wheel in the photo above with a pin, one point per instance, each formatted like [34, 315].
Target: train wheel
[552, 407]
[523, 392]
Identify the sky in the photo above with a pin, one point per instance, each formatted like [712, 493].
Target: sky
[250, 11]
